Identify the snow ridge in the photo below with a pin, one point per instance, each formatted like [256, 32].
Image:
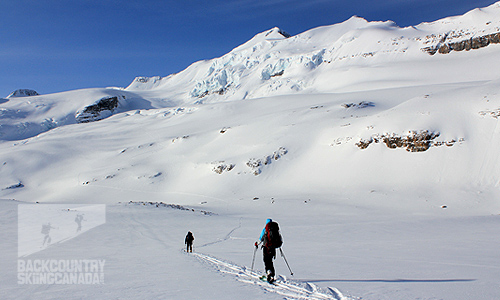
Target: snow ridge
[275, 63]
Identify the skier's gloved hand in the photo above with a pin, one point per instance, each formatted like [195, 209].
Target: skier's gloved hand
[256, 245]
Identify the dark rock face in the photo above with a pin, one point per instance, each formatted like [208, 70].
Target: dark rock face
[15, 186]
[280, 73]
[467, 44]
[361, 104]
[103, 104]
[23, 93]
[460, 46]
[220, 91]
[95, 112]
[284, 33]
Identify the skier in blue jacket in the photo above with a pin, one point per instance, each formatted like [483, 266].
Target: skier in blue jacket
[269, 253]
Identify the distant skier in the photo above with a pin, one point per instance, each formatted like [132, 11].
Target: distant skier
[78, 220]
[46, 232]
[189, 242]
[271, 239]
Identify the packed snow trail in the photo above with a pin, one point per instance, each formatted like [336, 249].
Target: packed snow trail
[282, 286]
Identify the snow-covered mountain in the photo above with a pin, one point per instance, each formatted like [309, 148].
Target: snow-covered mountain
[317, 61]
[355, 123]
[329, 59]
[363, 83]
[274, 63]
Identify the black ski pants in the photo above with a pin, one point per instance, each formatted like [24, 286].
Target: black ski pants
[269, 255]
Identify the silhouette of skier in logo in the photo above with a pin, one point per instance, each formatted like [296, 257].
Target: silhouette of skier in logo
[78, 220]
[46, 231]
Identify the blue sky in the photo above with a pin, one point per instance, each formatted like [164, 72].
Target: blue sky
[59, 45]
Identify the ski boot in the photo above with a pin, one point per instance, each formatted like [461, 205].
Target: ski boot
[270, 277]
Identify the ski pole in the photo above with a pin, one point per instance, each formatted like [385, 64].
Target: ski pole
[253, 259]
[283, 255]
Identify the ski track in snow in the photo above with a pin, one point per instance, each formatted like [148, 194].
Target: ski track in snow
[289, 289]
[227, 237]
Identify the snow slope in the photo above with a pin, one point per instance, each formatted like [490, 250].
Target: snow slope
[375, 147]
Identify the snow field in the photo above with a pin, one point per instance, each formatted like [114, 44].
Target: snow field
[349, 245]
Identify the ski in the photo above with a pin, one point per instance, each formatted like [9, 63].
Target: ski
[264, 278]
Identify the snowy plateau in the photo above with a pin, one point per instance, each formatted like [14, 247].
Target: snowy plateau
[376, 148]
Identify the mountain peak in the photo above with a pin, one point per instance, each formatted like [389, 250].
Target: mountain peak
[22, 93]
[277, 32]
[272, 34]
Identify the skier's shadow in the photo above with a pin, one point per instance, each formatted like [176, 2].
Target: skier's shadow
[388, 280]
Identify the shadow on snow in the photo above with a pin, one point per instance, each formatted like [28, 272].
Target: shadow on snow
[388, 280]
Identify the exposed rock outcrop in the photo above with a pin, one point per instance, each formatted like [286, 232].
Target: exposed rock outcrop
[221, 167]
[492, 113]
[22, 93]
[257, 164]
[361, 104]
[15, 186]
[413, 142]
[284, 33]
[100, 110]
[466, 44]
[220, 91]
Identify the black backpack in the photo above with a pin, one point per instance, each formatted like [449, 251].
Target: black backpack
[272, 238]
